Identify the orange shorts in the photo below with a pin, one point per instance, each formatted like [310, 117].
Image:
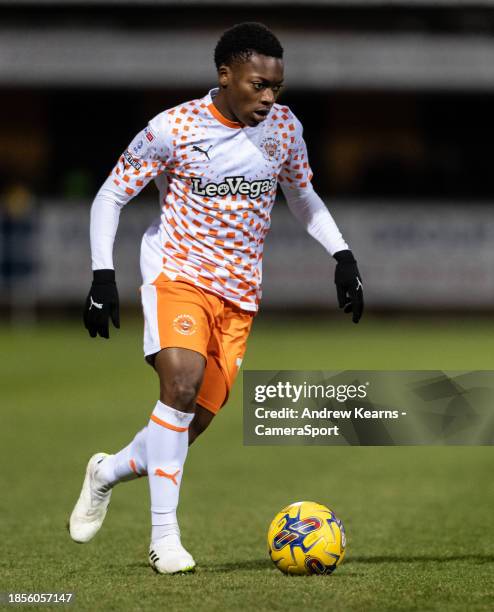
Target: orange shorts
[179, 314]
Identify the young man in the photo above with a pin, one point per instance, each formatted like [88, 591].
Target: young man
[216, 162]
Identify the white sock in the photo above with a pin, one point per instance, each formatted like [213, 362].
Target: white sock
[128, 464]
[167, 444]
[164, 524]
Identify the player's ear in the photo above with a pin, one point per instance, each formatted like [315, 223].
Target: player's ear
[223, 75]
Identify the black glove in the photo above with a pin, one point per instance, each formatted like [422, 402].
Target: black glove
[349, 284]
[101, 304]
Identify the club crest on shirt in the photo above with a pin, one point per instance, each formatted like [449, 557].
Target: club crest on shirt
[185, 324]
[271, 148]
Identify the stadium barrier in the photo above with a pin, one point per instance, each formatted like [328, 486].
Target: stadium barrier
[424, 256]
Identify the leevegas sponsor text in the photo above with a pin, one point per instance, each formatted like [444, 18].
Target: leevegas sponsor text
[233, 185]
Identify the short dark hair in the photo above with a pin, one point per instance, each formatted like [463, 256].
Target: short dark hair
[242, 40]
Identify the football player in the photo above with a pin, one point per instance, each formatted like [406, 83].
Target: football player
[217, 162]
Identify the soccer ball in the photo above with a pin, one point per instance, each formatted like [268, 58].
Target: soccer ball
[306, 538]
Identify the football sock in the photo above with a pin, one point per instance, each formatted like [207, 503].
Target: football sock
[167, 444]
[127, 464]
[164, 524]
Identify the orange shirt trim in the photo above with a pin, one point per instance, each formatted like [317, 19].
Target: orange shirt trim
[222, 119]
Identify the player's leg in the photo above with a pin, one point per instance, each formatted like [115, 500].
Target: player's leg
[201, 421]
[180, 374]
[104, 471]
[229, 331]
[130, 462]
[126, 464]
[178, 320]
[176, 315]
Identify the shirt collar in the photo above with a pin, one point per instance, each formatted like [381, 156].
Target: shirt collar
[217, 114]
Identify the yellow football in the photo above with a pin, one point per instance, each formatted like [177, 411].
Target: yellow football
[306, 538]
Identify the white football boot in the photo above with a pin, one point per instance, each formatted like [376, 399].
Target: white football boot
[168, 556]
[90, 510]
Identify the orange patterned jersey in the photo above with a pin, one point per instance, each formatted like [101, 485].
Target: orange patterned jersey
[217, 182]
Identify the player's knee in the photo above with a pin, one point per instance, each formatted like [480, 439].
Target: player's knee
[180, 392]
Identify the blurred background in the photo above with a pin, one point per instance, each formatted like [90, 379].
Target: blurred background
[396, 100]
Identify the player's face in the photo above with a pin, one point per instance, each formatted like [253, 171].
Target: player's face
[249, 89]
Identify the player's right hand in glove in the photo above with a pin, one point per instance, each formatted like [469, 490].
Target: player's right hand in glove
[102, 304]
[349, 284]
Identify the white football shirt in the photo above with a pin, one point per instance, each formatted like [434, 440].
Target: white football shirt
[217, 182]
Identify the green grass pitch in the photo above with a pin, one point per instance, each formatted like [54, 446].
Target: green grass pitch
[419, 520]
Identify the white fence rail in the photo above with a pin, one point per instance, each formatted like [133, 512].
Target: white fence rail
[424, 256]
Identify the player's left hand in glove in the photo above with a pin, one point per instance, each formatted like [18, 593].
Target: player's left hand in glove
[349, 284]
[102, 304]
